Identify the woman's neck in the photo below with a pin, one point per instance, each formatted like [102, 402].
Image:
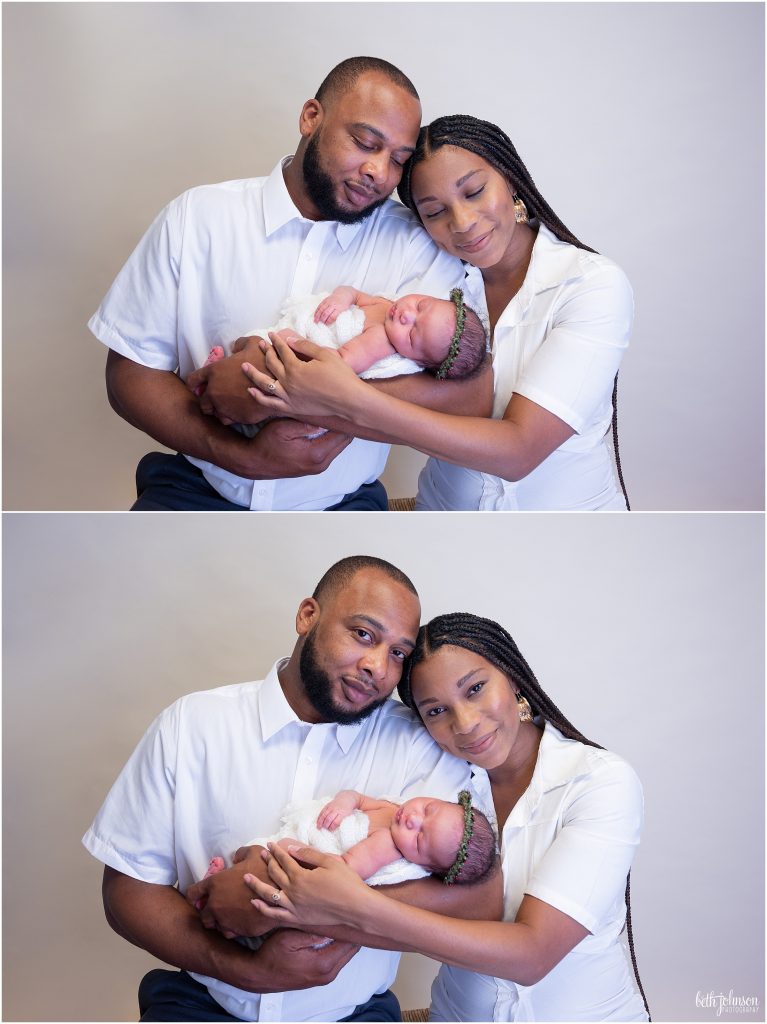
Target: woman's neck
[503, 280]
[510, 780]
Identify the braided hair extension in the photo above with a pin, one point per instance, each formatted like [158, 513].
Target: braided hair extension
[616, 448]
[493, 145]
[630, 936]
[492, 642]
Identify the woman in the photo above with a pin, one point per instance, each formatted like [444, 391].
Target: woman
[559, 318]
[569, 816]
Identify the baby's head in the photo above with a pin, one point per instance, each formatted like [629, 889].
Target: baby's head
[443, 335]
[452, 840]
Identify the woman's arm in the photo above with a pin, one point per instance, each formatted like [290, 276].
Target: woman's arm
[524, 950]
[510, 448]
[228, 908]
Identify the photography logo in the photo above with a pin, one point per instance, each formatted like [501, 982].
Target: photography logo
[726, 1003]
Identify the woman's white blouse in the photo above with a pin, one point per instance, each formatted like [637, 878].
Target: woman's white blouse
[558, 343]
[569, 841]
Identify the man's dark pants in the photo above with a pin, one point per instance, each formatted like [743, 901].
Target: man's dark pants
[175, 995]
[166, 483]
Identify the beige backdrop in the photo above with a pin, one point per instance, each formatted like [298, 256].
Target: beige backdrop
[648, 632]
[643, 124]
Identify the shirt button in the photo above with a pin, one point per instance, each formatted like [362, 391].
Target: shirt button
[308, 760]
[308, 257]
[261, 492]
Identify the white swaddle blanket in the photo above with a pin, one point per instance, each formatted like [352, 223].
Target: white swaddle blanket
[299, 821]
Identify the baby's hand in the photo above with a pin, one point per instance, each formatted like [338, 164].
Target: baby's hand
[338, 300]
[334, 812]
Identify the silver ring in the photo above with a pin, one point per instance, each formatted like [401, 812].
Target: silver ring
[272, 386]
[276, 897]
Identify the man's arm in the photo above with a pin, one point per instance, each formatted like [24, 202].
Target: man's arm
[158, 919]
[160, 404]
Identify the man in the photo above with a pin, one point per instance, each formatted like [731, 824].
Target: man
[218, 767]
[219, 262]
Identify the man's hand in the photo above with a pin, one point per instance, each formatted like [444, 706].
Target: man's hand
[287, 957]
[284, 443]
[225, 393]
[226, 898]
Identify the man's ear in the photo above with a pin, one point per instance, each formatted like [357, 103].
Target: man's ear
[307, 616]
[310, 118]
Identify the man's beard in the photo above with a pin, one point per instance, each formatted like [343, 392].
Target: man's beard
[321, 191]
[317, 687]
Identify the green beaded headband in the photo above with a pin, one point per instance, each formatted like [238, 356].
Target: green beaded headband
[464, 798]
[456, 297]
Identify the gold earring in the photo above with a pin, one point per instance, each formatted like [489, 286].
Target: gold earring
[520, 210]
[525, 711]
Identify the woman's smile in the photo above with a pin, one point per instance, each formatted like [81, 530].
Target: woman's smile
[480, 746]
[477, 244]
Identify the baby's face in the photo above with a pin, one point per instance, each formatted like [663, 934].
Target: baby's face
[421, 327]
[428, 831]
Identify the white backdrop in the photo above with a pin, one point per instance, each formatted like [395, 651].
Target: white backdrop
[646, 630]
[642, 124]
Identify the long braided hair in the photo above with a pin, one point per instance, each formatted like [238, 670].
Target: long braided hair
[493, 145]
[492, 642]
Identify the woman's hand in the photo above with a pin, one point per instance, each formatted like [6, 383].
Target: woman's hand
[303, 379]
[325, 894]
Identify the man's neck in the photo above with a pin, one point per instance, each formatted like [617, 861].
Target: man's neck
[289, 677]
[293, 176]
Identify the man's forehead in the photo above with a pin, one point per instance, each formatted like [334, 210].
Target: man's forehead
[376, 95]
[370, 589]
[372, 580]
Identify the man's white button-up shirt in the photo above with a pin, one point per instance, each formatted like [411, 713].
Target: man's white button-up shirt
[220, 260]
[219, 767]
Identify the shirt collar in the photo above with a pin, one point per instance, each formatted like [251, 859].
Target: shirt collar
[276, 714]
[552, 262]
[279, 209]
[559, 762]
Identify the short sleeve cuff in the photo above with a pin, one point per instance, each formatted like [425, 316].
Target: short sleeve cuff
[104, 851]
[553, 405]
[110, 337]
[564, 904]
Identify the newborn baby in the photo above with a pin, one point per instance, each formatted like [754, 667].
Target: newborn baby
[380, 338]
[385, 842]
